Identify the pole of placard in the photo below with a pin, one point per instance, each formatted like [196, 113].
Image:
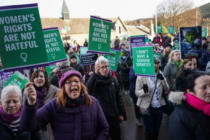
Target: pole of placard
[156, 19]
[196, 18]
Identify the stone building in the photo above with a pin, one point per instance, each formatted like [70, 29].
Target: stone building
[79, 27]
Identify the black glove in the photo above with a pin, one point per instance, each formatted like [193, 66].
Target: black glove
[145, 88]
[160, 76]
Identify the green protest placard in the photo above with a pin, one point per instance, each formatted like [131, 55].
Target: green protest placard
[176, 46]
[113, 59]
[143, 61]
[83, 50]
[204, 32]
[99, 35]
[17, 79]
[54, 45]
[21, 39]
[171, 29]
[49, 69]
[78, 59]
[159, 29]
[158, 56]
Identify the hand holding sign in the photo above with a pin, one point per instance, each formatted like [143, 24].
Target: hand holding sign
[30, 93]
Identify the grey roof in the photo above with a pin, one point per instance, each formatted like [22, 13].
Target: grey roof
[65, 8]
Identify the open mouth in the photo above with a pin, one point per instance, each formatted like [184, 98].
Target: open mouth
[74, 90]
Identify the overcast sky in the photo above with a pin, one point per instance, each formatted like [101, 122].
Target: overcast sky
[126, 9]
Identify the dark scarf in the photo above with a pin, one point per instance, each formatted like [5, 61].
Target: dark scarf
[9, 118]
[73, 102]
[41, 91]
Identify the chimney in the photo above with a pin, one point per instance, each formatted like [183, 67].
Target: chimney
[65, 12]
[152, 33]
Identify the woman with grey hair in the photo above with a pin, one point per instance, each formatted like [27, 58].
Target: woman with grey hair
[10, 112]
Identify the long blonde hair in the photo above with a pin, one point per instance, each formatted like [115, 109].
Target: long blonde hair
[171, 55]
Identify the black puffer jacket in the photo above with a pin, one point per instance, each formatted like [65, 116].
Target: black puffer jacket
[186, 122]
[107, 91]
[7, 134]
[164, 61]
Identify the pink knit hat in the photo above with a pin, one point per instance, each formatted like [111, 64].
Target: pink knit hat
[68, 74]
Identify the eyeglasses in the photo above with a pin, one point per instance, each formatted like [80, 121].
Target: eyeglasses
[105, 67]
[71, 82]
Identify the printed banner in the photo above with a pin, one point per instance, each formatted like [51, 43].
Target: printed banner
[204, 32]
[99, 35]
[21, 39]
[159, 29]
[171, 29]
[17, 79]
[6, 75]
[191, 42]
[78, 59]
[143, 61]
[83, 50]
[113, 59]
[176, 46]
[158, 56]
[136, 41]
[54, 45]
[49, 69]
[88, 59]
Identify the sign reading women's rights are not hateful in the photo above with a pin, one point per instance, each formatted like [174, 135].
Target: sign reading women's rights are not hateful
[99, 35]
[21, 39]
[54, 45]
[143, 61]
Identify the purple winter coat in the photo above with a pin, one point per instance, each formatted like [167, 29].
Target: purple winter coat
[132, 79]
[79, 123]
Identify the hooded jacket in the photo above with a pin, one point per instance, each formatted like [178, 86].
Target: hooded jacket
[107, 91]
[186, 122]
[76, 123]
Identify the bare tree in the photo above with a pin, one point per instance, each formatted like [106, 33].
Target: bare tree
[177, 13]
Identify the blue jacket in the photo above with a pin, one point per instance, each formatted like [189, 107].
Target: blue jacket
[132, 79]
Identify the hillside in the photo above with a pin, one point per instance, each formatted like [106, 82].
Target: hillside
[205, 12]
[143, 21]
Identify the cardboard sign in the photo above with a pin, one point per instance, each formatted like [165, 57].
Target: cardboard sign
[21, 39]
[66, 38]
[176, 46]
[54, 45]
[205, 32]
[136, 41]
[158, 56]
[113, 59]
[17, 79]
[6, 75]
[159, 29]
[83, 50]
[88, 59]
[49, 69]
[171, 29]
[143, 61]
[99, 35]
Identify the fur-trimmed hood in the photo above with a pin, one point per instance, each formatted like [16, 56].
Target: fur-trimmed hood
[177, 97]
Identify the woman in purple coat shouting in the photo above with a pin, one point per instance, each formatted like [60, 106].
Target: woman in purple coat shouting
[73, 115]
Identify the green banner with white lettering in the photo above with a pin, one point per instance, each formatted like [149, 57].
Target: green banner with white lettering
[113, 59]
[83, 50]
[49, 69]
[159, 29]
[204, 32]
[171, 29]
[143, 61]
[17, 79]
[54, 45]
[99, 35]
[158, 56]
[176, 46]
[21, 37]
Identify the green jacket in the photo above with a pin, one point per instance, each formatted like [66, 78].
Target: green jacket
[53, 79]
[170, 72]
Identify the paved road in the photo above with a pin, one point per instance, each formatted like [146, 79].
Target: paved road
[129, 129]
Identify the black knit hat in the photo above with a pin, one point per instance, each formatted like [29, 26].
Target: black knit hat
[73, 57]
[169, 45]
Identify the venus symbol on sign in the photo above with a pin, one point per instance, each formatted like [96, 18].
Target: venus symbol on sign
[99, 46]
[24, 56]
[143, 69]
[53, 56]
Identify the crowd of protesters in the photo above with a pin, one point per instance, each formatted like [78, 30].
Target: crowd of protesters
[85, 102]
